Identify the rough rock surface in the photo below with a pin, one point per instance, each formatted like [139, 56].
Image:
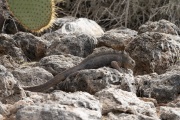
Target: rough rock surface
[154, 52]
[119, 104]
[78, 45]
[168, 113]
[1, 22]
[175, 102]
[30, 76]
[59, 22]
[8, 62]
[95, 80]
[60, 105]
[58, 63]
[82, 25]
[33, 47]
[164, 88]
[28, 60]
[117, 38]
[10, 90]
[162, 26]
[8, 47]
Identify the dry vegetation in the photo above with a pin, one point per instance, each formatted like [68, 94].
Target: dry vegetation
[129, 13]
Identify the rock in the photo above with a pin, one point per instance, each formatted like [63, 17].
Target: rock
[12, 26]
[94, 80]
[1, 22]
[31, 76]
[78, 45]
[59, 22]
[8, 110]
[168, 113]
[33, 47]
[51, 37]
[175, 103]
[123, 30]
[118, 103]
[117, 38]
[8, 47]
[164, 88]
[10, 90]
[162, 26]
[58, 63]
[8, 62]
[3, 109]
[82, 26]
[154, 52]
[122, 116]
[60, 105]
[145, 99]
[1, 117]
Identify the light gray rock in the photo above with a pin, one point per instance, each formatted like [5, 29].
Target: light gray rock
[10, 90]
[94, 80]
[154, 52]
[33, 47]
[123, 30]
[58, 63]
[60, 106]
[31, 76]
[168, 113]
[164, 88]
[3, 109]
[8, 47]
[175, 103]
[1, 117]
[59, 22]
[51, 36]
[78, 45]
[118, 103]
[8, 62]
[82, 25]
[117, 38]
[162, 26]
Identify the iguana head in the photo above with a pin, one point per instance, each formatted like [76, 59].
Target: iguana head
[127, 61]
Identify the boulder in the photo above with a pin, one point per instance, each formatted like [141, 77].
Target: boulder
[122, 105]
[10, 90]
[8, 62]
[78, 45]
[33, 47]
[161, 26]
[164, 88]
[117, 38]
[58, 63]
[168, 113]
[31, 76]
[60, 105]
[175, 103]
[94, 80]
[59, 22]
[82, 26]
[8, 47]
[154, 52]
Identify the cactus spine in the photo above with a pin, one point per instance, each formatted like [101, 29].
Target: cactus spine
[34, 15]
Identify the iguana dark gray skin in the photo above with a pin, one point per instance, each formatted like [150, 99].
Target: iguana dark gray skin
[114, 59]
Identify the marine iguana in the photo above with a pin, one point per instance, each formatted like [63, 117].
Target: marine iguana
[114, 59]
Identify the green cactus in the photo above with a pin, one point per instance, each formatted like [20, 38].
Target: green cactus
[34, 15]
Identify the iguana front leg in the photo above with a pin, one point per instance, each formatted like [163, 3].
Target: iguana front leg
[116, 66]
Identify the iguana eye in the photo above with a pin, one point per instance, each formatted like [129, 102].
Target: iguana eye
[133, 62]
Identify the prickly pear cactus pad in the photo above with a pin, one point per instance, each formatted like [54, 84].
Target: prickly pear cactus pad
[34, 15]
